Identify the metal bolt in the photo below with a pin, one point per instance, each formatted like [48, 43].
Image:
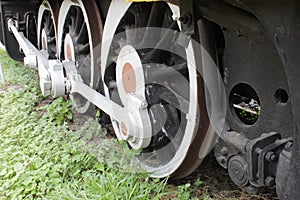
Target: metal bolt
[270, 181]
[224, 151]
[181, 18]
[258, 174]
[271, 156]
[288, 146]
[144, 105]
[185, 18]
[222, 159]
[68, 86]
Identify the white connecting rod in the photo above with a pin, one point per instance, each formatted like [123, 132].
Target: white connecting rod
[133, 118]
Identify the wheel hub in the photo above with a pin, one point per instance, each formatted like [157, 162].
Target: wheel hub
[136, 129]
[179, 138]
[130, 74]
[69, 49]
[52, 82]
[44, 40]
[128, 78]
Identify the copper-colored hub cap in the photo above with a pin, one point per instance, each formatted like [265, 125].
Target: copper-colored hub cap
[124, 129]
[69, 52]
[129, 79]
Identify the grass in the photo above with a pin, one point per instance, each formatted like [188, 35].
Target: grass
[41, 158]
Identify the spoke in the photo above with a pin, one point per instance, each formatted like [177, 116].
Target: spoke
[180, 103]
[171, 127]
[84, 63]
[160, 76]
[69, 28]
[130, 35]
[51, 40]
[141, 20]
[154, 72]
[82, 35]
[79, 22]
[155, 20]
[44, 22]
[47, 18]
[164, 43]
[50, 29]
[121, 42]
[83, 49]
[52, 49]
[156, 15]
[172, 96]
[73, 24]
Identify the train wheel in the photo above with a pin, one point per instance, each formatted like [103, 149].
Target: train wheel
[79, 36]
[47, 24]
[145, 37]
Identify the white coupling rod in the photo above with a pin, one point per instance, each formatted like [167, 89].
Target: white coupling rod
[104, 103]
[26, 46]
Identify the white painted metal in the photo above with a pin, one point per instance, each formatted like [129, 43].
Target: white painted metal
[52, 81]
[30, 61]
[192, 121]
[45, 6]
[56, 71]
[134, 115]
[50, 71]
[116, 11]
[45, 78]
[28, 49]
[129, 55]
[66, 5]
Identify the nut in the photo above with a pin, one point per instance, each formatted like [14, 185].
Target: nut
[270, 181]
[271, 156]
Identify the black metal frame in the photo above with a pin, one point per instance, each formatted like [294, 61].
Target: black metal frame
[272, 25]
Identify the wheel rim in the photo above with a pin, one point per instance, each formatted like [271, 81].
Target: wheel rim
[80, 42]
[169, 145]
[47, 23]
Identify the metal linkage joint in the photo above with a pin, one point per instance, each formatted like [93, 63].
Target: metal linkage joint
[251, 164]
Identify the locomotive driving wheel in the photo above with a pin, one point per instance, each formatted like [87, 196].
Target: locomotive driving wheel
[47, 28]
[144, 54]
[79, 36]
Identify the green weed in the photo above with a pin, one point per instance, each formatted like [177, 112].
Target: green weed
[16, 73]
[59, 111]
[41, 159]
